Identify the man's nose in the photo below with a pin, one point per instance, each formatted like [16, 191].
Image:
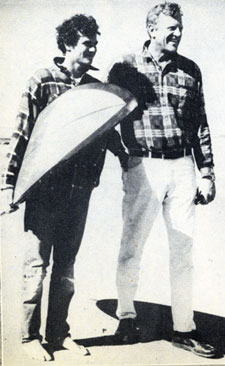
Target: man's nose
[92, 49]
[177, 32]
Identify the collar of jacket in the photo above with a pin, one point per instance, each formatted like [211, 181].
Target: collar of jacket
[172, 57]
[58, 60]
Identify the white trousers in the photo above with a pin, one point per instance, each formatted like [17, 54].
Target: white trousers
[147, 186]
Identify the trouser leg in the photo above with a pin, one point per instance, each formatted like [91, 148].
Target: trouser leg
[36, 260]
[179, 210]
[141, 204]
[66, 245]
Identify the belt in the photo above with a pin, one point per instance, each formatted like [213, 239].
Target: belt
[175, 154]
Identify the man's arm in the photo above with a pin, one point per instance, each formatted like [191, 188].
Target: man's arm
[29, 109]
[124, 74]
[116, 147]
[202, 147]
[203, 153]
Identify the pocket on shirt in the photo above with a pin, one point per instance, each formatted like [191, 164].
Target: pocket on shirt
[187, 92]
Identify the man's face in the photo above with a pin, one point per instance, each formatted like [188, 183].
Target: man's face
[81, 55]
[167, 33]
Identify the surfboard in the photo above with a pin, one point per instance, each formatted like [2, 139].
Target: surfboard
[67, 125]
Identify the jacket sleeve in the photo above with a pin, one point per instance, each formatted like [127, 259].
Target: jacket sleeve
[29, 109]
[114, 143]
[203, 146]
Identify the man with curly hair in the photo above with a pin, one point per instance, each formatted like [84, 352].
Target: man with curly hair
[56, 211]
[161, 136]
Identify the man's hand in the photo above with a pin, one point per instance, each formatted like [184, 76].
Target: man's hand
[127, 161]
[6, 205]
[123, 158]
[132, 162]
[206, 192]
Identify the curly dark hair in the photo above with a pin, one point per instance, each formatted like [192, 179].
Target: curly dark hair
[166, 8]
[68, 33]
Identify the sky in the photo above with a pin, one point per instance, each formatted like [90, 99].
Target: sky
[27, 43]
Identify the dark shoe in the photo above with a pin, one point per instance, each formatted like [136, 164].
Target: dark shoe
[191, 341]
[127, 331]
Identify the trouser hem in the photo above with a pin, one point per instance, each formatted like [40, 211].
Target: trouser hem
[30, 339]
[57, 341]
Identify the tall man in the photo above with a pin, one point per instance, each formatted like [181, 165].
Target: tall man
[161, 137]
[56, 210]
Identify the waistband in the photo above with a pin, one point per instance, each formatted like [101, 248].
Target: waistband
[175, 154]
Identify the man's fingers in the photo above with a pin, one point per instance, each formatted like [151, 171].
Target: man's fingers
[11, 209]
[200, 198]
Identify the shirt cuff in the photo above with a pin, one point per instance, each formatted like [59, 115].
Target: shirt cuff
[121, 151]
[207, 172]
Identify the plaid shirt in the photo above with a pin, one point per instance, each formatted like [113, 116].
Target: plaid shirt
[45, 86]
[173, 110]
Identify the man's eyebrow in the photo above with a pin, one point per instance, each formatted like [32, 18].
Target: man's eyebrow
[175, 26]
[90, 42]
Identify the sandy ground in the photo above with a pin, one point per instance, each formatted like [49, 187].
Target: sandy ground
[92, 311]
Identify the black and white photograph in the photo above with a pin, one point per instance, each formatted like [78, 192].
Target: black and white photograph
[112, 195]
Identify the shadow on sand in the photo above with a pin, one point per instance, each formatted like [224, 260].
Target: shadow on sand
[155, 323]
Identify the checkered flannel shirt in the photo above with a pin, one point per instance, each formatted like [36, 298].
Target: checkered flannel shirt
[174, 116]
[42, 88]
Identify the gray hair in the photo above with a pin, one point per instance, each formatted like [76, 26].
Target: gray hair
[166, 8]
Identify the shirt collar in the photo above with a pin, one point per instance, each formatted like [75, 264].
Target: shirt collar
[171, 58]
[59, 61]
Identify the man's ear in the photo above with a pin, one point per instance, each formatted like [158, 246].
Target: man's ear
[151, 29]
[68, 48]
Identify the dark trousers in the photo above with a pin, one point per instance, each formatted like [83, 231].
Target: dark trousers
[61, 231]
